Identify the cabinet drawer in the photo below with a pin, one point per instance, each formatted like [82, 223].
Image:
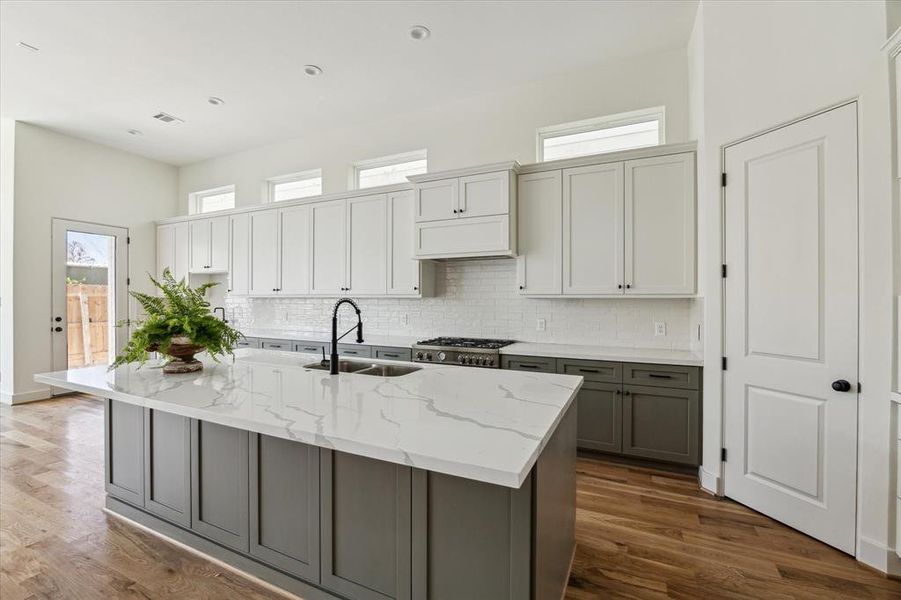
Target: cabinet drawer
[529, 363]
[671, 376]
[355, 350]
[390, 353]
[591, 370]
[287, 345]
[661, 423]
[312, 347]
[248, 343]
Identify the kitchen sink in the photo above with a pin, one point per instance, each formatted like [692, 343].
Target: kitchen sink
[344, 366]
[389, 370]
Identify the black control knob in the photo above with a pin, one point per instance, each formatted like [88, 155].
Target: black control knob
[428, 356]
[841, 385]
[461, 359]
[419, 356]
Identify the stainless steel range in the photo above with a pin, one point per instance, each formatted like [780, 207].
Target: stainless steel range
[471, 352]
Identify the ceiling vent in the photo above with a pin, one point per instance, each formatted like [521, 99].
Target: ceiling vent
[167, 118]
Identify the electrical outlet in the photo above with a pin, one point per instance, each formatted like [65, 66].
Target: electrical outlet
[659, 328]
[541, 325]
[405, 319]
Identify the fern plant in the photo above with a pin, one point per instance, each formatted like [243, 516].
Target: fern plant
[180, 312]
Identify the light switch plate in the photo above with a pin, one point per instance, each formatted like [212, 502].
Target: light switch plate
[659, 328]
[541, 325]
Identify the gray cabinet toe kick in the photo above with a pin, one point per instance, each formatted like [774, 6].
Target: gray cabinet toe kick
[326, 524]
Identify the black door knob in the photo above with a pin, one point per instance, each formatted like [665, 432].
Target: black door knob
[57, 329]
[58, 319]
[841, 385]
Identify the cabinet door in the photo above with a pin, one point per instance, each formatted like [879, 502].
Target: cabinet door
[284, 505]
[200, 245]
[329, 247]
[263, 252]
[294, 244]
[660, 225]
[167, 466]
[182, 235]
[366, 537]
[367, 245]
[540, 214]
[593, 230]
[484, 194]
[219, 484]
[219, 244]
[436, 200]
[165, 249]
[600, 419]
[124, 451]
[661, 423]
[239, 261]
[403, 270]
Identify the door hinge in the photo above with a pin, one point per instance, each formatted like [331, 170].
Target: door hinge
[724, 363]
[724, 271]
[859, 387]
[723, 180]
[128, 281]
[723, 454]
[128, 239]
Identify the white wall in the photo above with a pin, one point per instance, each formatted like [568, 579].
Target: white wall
[487, 128]
[7, 208]
[765, 63]
[60, 176]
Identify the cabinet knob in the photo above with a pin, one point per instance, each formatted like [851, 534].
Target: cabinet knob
[522, 287]
[415, 287]
[619, 287]
[455, 211]
[628, 286]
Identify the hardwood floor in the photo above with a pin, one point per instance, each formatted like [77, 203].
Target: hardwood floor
[641, 533]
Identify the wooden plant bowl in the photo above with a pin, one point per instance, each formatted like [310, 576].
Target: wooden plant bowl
[182, 352]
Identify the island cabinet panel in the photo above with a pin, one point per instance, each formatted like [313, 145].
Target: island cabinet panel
[600, 410]
[661, 423]
[365, 530]
[284, 505]
[470, 539]
[167, 466]
[124, 441]
[219, 483]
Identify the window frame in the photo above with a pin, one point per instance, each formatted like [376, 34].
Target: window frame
[384, 161]
[633, 117]
[196, 199]
[291, 177]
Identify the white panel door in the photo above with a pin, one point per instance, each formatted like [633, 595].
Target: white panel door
[165, 249]
[791, 325]
[182, 236]
[200, 245]
[219, 244]
[484, 194]
[540, 223]
[367, 245]
[593, 230]
[264, 253]
[294, 244]
[660, 225]
[329, 247]
[403, 270]
[436, 200]
[239, 255]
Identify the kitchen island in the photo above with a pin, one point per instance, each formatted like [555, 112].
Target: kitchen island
[445, 482]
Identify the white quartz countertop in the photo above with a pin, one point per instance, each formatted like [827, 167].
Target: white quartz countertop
[484, 424]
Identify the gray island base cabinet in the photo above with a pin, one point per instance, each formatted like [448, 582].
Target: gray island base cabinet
[325, 524]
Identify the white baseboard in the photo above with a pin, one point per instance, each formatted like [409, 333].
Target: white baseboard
[710, 482]
[25, 397]
[879, 556]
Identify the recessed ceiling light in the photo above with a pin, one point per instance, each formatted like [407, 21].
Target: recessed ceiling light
[215, 101]
[419, 32]
[312, 70]
[28, 46]
[135, 132]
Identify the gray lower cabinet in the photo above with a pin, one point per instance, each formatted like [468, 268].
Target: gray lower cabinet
[357, 350]
[365, 528]
[219, 483]
[124, 451]
[286, 345]
[312, 347]
[600, 411]
[392, 353]
[528, 363]
[249, 343]
[167, 466]
[661, 423]
[284, 505]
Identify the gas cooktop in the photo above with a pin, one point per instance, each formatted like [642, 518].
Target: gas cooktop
[474, 352]
[462, 342]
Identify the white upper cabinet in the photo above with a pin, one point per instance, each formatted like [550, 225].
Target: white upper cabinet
[403, 269]
[219, 244]
[660, 225]
[540, 206]
[329, 246]
[484, 194]
[200, 245]
[436, 200]
[264, 253]
[593, 230]
[209, 245]
[239, 255]
[294, 250]
[367, 245]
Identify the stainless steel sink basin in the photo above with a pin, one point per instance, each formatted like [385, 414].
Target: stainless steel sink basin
[344, 366]
[389, 370]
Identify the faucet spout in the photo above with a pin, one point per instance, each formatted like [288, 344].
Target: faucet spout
[333, 357]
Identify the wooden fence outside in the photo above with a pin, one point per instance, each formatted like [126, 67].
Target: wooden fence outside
[87, 314]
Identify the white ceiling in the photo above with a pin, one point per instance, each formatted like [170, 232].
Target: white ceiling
[106, 67]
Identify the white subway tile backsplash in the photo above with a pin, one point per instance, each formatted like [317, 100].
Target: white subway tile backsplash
[479, 299]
